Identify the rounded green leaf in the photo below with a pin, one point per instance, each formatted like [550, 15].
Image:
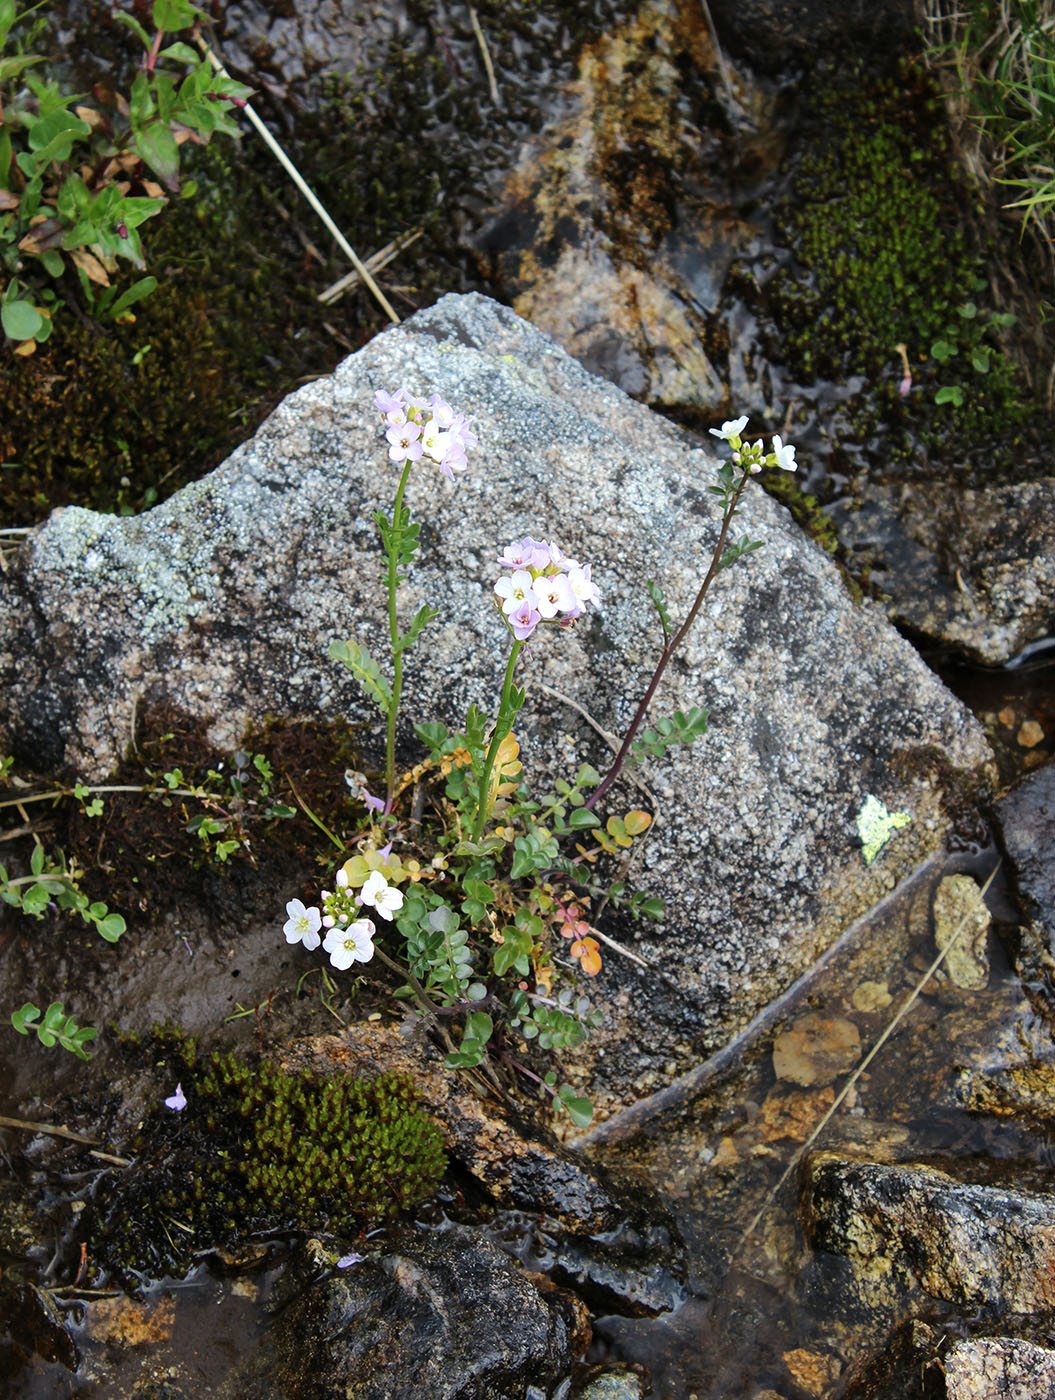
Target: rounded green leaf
[21, 320]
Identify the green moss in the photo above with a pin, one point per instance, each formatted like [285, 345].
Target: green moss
[878, 222]
[261, 1149]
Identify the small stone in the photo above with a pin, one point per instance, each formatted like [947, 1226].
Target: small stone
[1008, 716]
[727, 1155]
[1030, 734]
[811, 1371]
[871, 996]
[958, 904]
[816, 1050]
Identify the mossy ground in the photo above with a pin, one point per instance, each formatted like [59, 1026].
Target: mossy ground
[259, 1149]
[887, 252]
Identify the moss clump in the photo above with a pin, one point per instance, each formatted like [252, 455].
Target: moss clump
[260, 1149]
[879, 225]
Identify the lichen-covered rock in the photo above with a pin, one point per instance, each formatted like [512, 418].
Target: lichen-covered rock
[894, 1234]
[222, 602]
[999, 1368]
[425, 1316]
[961, 925]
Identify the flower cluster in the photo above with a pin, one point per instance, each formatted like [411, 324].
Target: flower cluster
[348, 938]
[544, 586]
[752, 458]
[416, 429]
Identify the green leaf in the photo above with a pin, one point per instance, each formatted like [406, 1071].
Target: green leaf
[136, 292]
[943, 350]
[950, 393]
[980, 359]
[365, 670]
[180, 53]
[36, 860]
[112, 927]
[130, 22]
[478, 1027]
[580, 1110]
[157, 145]
[24, 1017]
[174, 14]
[36, 899]
[21, 320]
[422, 618]
[580, 818]
[654, 908]
[656, 594]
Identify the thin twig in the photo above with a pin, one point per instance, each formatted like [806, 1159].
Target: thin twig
[25, 1125]
[902, 1012]
[489, 67]
[375, 262]
[305, 189]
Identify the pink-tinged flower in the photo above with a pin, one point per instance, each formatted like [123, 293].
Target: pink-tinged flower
[559, 558]
[352, 944]
[405, 440]
[515, 590]
[553, 595]
[372, 803]
[525, 554]
[303, 925]
[391, 407]
[730, 430]
[178, 1101]
[385, 898]
[583, 587]
[784, 454]
[523, 620]
[905, 387]
[347, 1260]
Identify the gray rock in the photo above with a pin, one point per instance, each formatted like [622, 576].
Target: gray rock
[971, 569]
[1027, 818]
[612, 1385]
[443, 1316]
[897, 1234]
[222, 602]
[999, 1368]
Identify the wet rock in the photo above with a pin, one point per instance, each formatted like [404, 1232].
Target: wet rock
[618, 1243]
[961, 924]
[816, 1050]
[445, 1316]
[811, 1371]
[613, 1385]
[1027, 818]
[970, 569]
[519, 1165]
[604, 239]
[769, 32]
[222, 601]
[998, 1368]
[31, 1326]
[895, 1234]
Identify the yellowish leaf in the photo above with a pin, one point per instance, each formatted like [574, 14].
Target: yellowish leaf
[90, 265]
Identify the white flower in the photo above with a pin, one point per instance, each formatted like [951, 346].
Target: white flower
[553, 595]
[385, 898]
[514, 591]
[303, 925]
[435, 440]
[352, 944]
[784, 454]
[583, 587]
[732, 429]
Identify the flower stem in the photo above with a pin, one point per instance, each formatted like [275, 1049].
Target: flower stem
[395, 541]
[670, 649]
[503, 724]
